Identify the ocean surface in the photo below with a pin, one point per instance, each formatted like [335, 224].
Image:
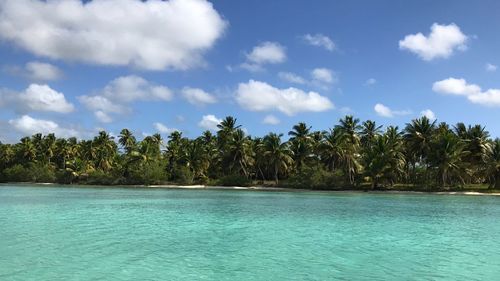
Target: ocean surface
[70, 233]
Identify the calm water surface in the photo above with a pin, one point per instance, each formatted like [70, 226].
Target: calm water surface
[60, 233]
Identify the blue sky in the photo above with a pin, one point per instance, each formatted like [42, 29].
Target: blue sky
[75, 68]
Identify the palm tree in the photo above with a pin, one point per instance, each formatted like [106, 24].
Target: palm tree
[49, 146]
[331, 150]
[105, 151]
[492, 164]
[127, 140]
[301, 143]
[278, 155]
[27, 150]
[226, 128]
[240, 153]
[349, 128]
[447, 156]
[418, 137]
[369, 131]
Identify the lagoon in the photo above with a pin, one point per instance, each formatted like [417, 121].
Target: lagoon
[83, 233]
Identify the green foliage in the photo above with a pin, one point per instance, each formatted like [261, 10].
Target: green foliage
[316, 177]
[183, 175]
[352, 154]
[99, 177]
[234, 180]
[148, 174]
[16, 173]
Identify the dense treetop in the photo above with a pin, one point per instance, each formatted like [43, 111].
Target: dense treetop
[351, 154]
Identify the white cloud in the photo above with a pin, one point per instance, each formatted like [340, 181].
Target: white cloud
[456, 87]
[428, 113]
[115, 97]
[29, 126]
[291, 77]
[153, 35]
[100, 103]
[131, 88]
[371, 81]
[39, 71]
[489, 98]
[490, 67]
[323, 75]
[319, 40]
[103, 117]
[260, 96]
[34, 71]
[163, 128]
[197, 96]
[271, 120]
[209, 122]
[473, 92]
[262, 54]
[385, 111]
[442, 41]
[267, 52]
[36, 98]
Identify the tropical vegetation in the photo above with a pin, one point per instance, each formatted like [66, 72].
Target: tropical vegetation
[352, 154]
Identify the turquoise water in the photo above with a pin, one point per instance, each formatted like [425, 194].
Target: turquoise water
[49, 233]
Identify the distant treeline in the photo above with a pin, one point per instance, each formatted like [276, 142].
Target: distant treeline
[350, 155]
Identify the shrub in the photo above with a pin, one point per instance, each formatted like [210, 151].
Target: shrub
[315, 177]
[147, 174]
[17, 173]
[234, 180]
[183, 175]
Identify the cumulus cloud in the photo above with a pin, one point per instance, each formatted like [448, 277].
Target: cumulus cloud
[36, 71]
[319, 40]
[103, 117]
[40, 71]
[441, 42]
[209, 122]
[115, 97]
[163, 128]
[262, 54]
[323, 75]
[103, 104]
[153, 35]
[371, 81]
[134, 88]
[428, 113]
[197, 96]
[473, 92]
[490, 67]
[455, 87]
[291, 77]
[260, 96]
[36, 97]
[385, 111]
[271, 120]
[27, 125]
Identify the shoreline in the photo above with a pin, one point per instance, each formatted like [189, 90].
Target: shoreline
[260, 188]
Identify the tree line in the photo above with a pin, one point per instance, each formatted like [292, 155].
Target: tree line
[352, 154]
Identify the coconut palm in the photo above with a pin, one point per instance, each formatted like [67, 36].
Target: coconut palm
[369, 131]
[331, 150]
[447, 154]
[301, 143]
[127, 140]
[492, 164]
[240, 152]
[349, 128]
[418, 137]
[278, 155]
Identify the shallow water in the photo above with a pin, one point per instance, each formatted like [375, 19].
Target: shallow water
[61, 233]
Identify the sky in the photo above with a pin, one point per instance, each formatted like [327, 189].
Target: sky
[75, 67]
